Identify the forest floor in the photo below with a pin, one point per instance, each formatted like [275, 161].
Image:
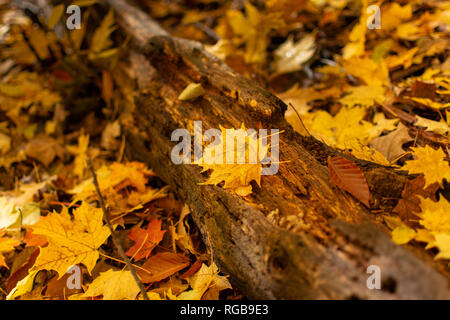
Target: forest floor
[369, 78]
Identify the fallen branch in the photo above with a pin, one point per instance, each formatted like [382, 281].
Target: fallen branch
[320, 240]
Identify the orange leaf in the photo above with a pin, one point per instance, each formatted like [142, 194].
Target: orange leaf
[58, 289]
[347, 176]
[192, 270]
[162, 265]
[145, 240]
[34, 240]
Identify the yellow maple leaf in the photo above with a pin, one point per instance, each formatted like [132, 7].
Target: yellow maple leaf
[300, 97]
[113, 285]
[436, 222]
[364, 96]
[114, 177]
[442, 242]
[408, 30]
[80, 153]
[339, 130]
[253, 30]
[404, 59]
[430, 103]
[393, 13]
[22, 91]
[237, 176]
[55, 16]
[372, 73]
[435, 215]
[357, 36]
[382, 124]
[358, 150]
[205, 278]
[71, 242]
[101, 39]
[431, 163]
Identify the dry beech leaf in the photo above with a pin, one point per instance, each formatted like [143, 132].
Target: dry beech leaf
[347, 176]
[162, 265]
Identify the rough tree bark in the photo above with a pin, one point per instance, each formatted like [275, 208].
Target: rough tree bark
[325, 251]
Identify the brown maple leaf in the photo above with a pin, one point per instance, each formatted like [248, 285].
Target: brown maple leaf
[409, 205]
[44, 149]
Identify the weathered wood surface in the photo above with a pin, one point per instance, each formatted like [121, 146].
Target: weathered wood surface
[324, 252]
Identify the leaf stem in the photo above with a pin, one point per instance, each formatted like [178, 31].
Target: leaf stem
[121, 261]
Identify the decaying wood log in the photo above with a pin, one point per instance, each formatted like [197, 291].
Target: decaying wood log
[319, 240]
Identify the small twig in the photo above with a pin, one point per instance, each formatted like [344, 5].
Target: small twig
[3, 291]
[121, 261]
[113, 235]
[33, 50]
[208, 31]
[299, 118]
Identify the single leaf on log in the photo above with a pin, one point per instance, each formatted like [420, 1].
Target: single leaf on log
[347, 176]
[162, 265]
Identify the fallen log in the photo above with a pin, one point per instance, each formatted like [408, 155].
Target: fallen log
[319, 240]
